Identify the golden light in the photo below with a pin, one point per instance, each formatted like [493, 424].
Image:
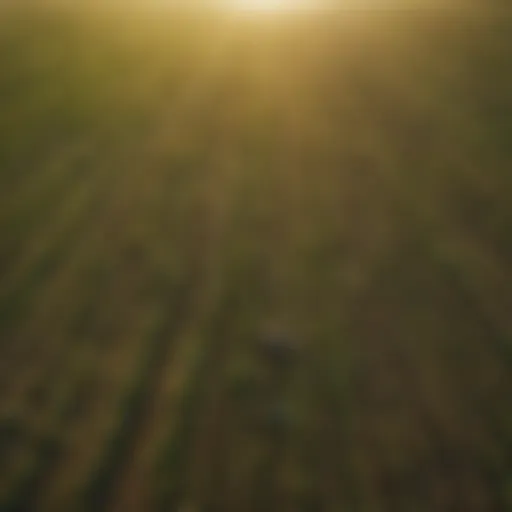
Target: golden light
[265, 5]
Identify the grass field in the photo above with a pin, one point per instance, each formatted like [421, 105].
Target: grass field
[173, 185]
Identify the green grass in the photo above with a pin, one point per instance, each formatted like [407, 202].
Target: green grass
[173, 182]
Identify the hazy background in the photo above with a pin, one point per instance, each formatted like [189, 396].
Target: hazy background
[255, 262]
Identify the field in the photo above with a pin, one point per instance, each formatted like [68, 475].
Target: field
[179, 189]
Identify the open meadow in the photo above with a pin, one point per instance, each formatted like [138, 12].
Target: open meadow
[254, 262]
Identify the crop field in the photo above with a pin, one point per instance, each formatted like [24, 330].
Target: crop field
[255, 262]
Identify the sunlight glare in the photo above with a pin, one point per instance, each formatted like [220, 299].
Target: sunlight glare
[265, 5]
